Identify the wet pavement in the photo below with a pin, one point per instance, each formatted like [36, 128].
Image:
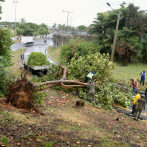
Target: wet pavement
[39, 46]
[19, 45]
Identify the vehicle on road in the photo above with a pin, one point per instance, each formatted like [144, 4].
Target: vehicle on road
[35, 70]
[50, 36]
[27, 40]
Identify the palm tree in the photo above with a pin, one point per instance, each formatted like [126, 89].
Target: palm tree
[22, 20]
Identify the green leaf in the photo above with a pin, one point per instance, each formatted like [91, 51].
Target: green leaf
[5, 141]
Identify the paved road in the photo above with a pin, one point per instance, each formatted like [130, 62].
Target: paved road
[19, 45]
[40, 48]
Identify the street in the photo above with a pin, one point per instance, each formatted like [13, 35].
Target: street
[19, 45]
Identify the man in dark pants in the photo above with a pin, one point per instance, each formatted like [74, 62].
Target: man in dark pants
[141, 105]
[142, 74]
[134, 103]
[90, 84]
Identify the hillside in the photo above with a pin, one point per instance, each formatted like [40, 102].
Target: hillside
[65, 125]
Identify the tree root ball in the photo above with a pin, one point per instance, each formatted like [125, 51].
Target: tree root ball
[20, 93]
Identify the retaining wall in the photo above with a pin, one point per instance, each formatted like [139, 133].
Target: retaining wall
[59, 40]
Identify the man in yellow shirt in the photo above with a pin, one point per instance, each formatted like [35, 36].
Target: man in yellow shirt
[134, 101]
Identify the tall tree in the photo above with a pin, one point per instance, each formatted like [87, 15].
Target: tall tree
[132, 28]
[81, 27]
[22, 20]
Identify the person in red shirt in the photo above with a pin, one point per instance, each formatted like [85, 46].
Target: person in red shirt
[135, 86]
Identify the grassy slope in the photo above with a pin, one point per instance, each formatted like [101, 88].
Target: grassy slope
[16, 60]
[65, 125]
[130, 71]
[54, 53]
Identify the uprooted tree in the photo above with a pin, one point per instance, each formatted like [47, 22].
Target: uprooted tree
[22, 93]
[73, 75]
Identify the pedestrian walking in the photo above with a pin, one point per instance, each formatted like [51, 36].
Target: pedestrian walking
[142, 80]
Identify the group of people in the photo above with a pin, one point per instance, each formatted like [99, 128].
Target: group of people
[138, 103]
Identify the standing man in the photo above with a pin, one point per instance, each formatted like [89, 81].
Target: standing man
[90, 84]
[134, 103]
[135, 86]
[90, 76]
[142, 74]
[141, 105]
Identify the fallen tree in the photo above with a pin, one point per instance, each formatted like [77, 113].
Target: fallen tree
[21, 92]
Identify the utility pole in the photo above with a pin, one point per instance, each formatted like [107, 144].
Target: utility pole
[115, 37]
[15, 17]
[67, 15]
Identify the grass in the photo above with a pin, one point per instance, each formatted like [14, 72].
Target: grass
[54, 53]
[130, 71]
[87, 123]
[16, 62]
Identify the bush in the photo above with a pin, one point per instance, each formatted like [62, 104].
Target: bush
[37, 59]
[77, 48]
[107, 91]
[5, 58]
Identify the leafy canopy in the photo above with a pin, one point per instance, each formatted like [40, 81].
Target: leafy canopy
[37, 59]
[5, 57]
[77, 48]
[131, 32]
[107, 91]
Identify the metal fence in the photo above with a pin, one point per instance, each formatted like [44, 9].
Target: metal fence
[70, 32]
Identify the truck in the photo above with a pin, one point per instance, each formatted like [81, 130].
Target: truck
[35, 70]
[27, 40]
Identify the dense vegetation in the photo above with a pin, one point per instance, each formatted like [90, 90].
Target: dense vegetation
[77, 48]
[106, 92]
[37, 59]
[132, 39]
[5, 56]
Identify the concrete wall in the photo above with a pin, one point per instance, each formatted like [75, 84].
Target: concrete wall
[59, 40]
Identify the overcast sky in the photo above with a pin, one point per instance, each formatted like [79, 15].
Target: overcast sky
[51, 11]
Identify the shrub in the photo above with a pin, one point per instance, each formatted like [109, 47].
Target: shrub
[37, 59]
[77, 48]
[5, 58]
[107, 91]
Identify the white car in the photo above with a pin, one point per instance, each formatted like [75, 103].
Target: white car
[49, 36]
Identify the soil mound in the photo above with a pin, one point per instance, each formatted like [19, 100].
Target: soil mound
[20, 93]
